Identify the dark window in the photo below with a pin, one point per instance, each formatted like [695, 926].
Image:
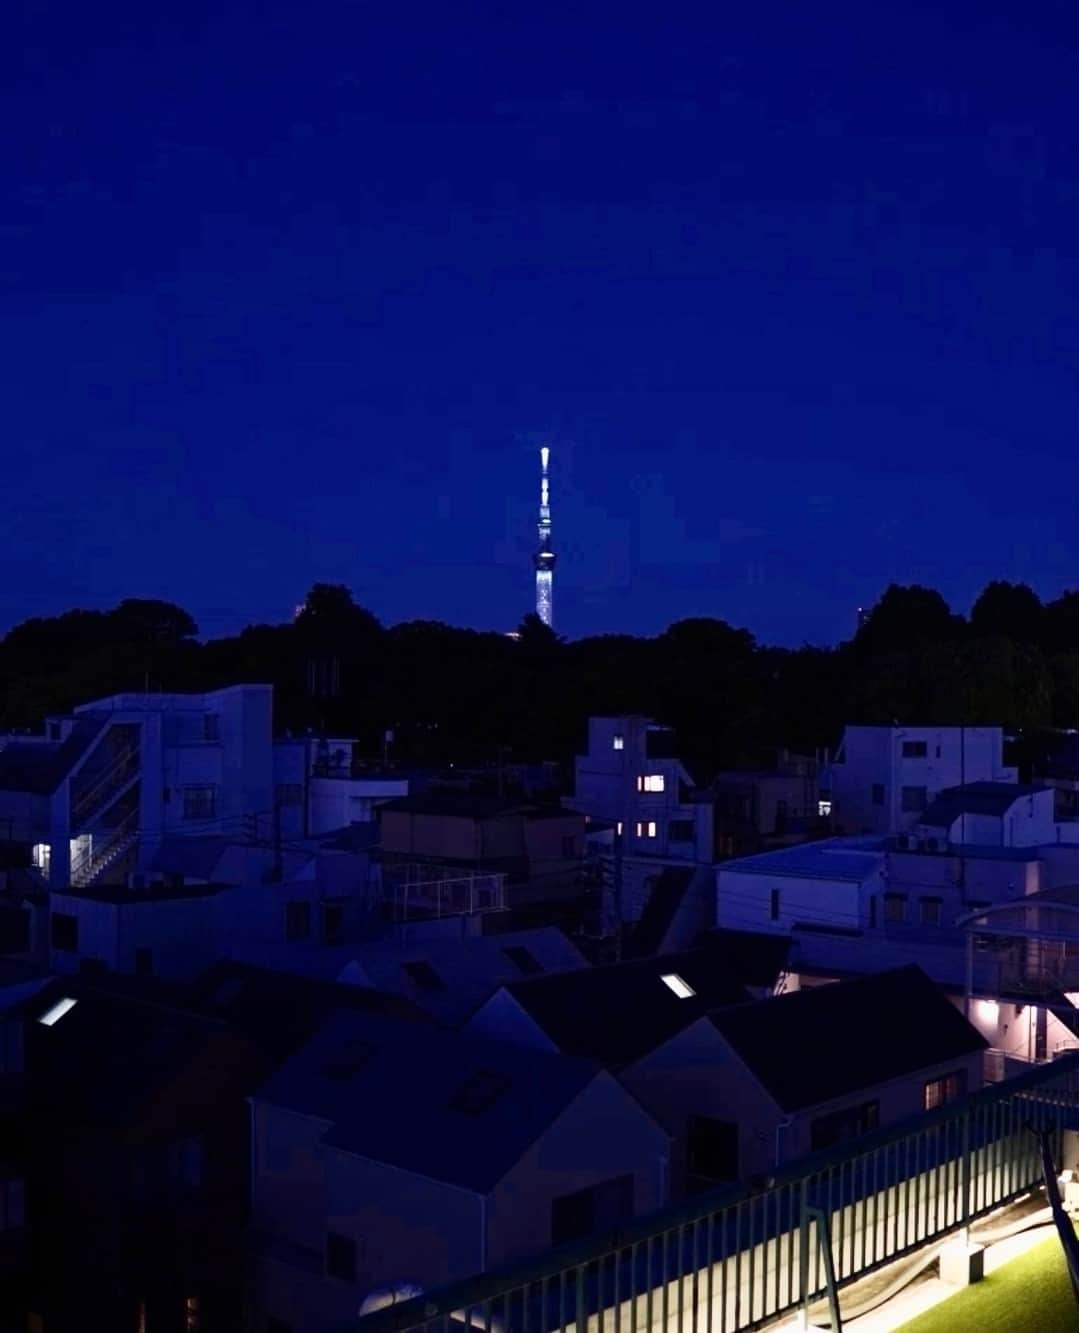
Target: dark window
[424, 975]
[681, 830]
[200, 802]
[144, 962]
[947, 1088]
[65, 932]
[931, 908]
[522, 959]
[837, 1126]
[873, 912]
[913, 799]
[569, 847]
[781, 816]
[878, 793]
[210, 727]
[711, 1148]
[601, 1207]
[915, 749]
[297, 921]
[340, 1257]
[773, 905]
[479, 1093]
[93, 967]
[895, 907]
[333, 922]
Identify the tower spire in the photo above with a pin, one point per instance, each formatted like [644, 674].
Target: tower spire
[544, 559]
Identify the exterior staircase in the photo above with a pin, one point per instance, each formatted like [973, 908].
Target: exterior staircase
[106, 852]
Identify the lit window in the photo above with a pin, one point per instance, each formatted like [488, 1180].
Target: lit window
[824, 809]
[41, 855]
[647, 830]
[946, 1089]
[681, 988]
[618, 828]
[619, 743]
[651, 828]
[58, 1010]
[651, 782]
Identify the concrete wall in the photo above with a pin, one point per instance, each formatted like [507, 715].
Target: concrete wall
[744, 900]
[178, 931]
[605, 1133]
[869, 755]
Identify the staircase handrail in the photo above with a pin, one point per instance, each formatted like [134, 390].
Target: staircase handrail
[108, 778]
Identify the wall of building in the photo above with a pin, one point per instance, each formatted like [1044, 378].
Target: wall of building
[604, 1134]
[874, 755]
[178, 931]
[447, 837]
[744, 900]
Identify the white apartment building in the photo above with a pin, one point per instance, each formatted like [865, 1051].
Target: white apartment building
[883, 778]
[97, 796]
[632, 778]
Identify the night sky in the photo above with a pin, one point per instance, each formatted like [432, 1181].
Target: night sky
[294, 292]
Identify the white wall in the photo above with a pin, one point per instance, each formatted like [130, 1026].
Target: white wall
[178, 931]
[744, 900]
[869, 755]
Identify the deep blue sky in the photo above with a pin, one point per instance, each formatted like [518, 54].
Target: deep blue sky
[295, 292]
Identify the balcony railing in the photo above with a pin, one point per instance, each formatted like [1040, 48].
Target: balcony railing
[738, 1258]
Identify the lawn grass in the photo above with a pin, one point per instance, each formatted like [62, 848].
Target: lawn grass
[1030, 1293]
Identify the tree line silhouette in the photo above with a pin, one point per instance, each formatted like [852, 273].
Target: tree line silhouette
[452, 695]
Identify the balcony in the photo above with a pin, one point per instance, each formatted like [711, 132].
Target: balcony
[417, 892]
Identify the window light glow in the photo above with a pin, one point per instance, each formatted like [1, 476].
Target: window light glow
[618, 827]
[988, 1010]
[681, 988]
[619, 743]
[58, 1010]
[824, 809]
[651, 782]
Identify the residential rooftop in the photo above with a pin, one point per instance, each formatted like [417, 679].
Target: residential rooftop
[974, 798]
[619, 1012]
[833, 858]
[824, 1042]
[439, 1104]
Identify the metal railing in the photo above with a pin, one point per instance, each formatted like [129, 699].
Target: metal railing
[106, 786]
[102, 854]
[738, 1258]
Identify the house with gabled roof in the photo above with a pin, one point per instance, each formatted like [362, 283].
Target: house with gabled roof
[386, 1154]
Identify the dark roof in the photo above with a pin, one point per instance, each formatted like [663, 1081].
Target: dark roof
[469, 805]
[40, 767]
[618, 1013]
[663, 902]
[114, 1063]
[750, 957]
[975, 798]
[824, 1042]
[287, 1008]
[122, 896]
[441, 1104]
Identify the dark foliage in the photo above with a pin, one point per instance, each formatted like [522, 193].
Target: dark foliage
[464, 696]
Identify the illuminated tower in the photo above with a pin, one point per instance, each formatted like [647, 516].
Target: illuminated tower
[544, 558]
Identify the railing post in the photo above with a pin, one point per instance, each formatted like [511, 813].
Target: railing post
[965, 1174]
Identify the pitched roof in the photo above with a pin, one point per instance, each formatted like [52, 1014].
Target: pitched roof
[828, 1041]
[440, 1104]
[469, 970]
[975, 798]
[618, 1013]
